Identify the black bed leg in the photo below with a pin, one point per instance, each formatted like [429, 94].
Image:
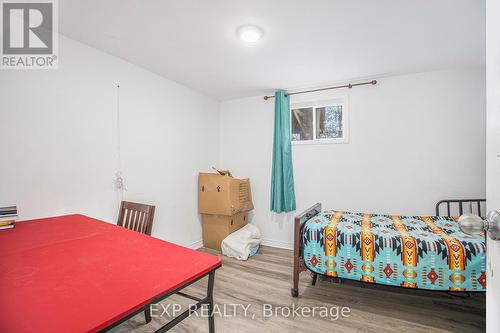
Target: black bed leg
[147, 314]
[210, 295]
[314, 278]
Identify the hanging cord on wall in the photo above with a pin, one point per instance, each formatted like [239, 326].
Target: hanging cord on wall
[119, 180]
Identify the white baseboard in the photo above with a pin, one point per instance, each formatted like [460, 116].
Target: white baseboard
[266, 242]
[195, 245]
[278, 244]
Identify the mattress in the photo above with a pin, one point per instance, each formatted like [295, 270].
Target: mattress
[425, 252]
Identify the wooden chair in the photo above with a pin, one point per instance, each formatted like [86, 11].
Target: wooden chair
[136, 216]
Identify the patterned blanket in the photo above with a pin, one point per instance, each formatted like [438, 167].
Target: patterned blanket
[427, 252]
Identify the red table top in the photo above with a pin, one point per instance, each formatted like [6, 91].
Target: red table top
[77, 274]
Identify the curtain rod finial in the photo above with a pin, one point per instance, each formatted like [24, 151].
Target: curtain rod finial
[374, 81]
[266, 98]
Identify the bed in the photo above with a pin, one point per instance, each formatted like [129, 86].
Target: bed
[418, 252]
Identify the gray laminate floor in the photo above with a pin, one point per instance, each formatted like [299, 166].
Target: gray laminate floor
[265, 279]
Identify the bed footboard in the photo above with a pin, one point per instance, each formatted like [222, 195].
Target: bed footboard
[298, 260]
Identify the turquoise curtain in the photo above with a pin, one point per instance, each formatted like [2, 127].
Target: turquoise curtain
[282, 190]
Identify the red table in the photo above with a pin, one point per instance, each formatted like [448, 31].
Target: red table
[77, 274]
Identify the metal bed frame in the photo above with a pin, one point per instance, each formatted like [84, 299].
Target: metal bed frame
[474, 206]
[208, 300]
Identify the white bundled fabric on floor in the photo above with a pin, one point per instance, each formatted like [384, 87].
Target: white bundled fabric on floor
[242, 243]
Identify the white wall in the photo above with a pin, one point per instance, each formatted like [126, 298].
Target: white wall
[414, 140]
[493, 159]
[409, 137]
[58, 141]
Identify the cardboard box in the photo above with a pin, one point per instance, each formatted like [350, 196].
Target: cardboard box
[218, 227]
[223, 194]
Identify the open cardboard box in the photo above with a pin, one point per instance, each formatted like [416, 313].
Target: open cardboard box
[223, 195]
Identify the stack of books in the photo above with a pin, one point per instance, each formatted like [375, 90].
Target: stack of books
[8, 216]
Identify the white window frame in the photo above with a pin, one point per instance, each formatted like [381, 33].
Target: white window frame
[338, 101]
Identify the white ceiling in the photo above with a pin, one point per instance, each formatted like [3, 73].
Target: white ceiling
[306, 43]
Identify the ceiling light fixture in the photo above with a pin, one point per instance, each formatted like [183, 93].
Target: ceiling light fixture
[250, 34]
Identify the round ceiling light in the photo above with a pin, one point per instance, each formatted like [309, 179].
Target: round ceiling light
[250, 34]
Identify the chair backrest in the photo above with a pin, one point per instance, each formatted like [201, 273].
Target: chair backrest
[136, 216]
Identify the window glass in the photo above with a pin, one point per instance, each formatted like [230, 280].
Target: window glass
[302, 124]
[329, 122]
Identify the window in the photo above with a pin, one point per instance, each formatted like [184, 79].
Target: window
[320, 122]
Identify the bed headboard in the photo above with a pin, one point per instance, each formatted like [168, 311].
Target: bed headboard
[457, 207]
[308, 213]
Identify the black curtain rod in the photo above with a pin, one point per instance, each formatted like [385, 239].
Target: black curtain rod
[349, 85]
